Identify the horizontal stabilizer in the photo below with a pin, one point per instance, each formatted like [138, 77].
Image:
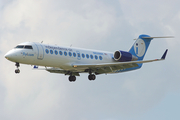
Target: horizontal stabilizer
[159, 37]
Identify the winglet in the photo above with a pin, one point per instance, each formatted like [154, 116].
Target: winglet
[164, 55]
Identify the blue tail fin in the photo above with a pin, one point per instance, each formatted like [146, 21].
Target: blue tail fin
[140, 47]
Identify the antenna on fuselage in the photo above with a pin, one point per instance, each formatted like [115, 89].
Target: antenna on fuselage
[41, 41]
[71, 45]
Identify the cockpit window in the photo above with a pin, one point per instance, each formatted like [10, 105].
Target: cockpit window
[28, 47]
[20, 46]
[24, 46]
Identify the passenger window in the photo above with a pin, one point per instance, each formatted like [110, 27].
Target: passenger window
[70, 54]
[96, 57]
[74, 54]
[65, 53]
[51, 51]
[47, 51]
[28, 47]
[83, 55]
[60, 52]
[20, 46]
[100, 57]
[91, 56]
[56, 52]
[87, 56]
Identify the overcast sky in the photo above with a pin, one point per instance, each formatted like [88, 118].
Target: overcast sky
[152, 92]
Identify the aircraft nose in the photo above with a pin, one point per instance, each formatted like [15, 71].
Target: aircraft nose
[6, 56]
[9, 55]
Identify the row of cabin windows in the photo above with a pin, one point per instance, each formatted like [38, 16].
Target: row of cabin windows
[24, 46]
[74, 54]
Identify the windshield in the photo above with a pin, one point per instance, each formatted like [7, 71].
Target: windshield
[24, 46]
[28, 47]
[20, 46]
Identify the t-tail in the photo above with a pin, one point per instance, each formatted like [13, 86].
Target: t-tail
[140, 46]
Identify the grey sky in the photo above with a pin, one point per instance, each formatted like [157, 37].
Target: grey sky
[149, 93]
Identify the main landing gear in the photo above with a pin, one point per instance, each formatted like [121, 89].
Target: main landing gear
[72, 78]
[91, 76]
[17, 70]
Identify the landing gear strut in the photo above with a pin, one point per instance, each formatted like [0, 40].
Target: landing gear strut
[72, 78]
[17, 70]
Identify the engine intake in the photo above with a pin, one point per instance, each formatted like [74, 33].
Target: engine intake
[123, 56]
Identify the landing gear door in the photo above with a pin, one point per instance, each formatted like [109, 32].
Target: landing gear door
[40, 51]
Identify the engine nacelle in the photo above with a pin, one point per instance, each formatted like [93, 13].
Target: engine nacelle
[123, 56]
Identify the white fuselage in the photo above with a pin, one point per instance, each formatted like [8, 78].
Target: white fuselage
[73, 61]
[57, 56]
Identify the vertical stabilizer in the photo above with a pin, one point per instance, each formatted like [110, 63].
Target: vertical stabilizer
[140, 46]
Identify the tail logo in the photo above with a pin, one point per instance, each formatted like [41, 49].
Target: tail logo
[139, 47]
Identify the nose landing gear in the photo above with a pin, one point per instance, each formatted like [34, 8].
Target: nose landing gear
[17, 70]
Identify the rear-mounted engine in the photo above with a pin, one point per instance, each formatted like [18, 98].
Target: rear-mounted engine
[123, 56]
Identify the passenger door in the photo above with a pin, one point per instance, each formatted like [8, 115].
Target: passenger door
[40, 51]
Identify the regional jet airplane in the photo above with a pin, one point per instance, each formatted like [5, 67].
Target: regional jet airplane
[73, 61]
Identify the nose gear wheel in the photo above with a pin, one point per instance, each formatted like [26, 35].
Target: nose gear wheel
[17, 70]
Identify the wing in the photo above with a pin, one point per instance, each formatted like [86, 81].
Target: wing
[105, 67]
[110, 67]
[61, 71]
[101, 68]
[57, 70]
